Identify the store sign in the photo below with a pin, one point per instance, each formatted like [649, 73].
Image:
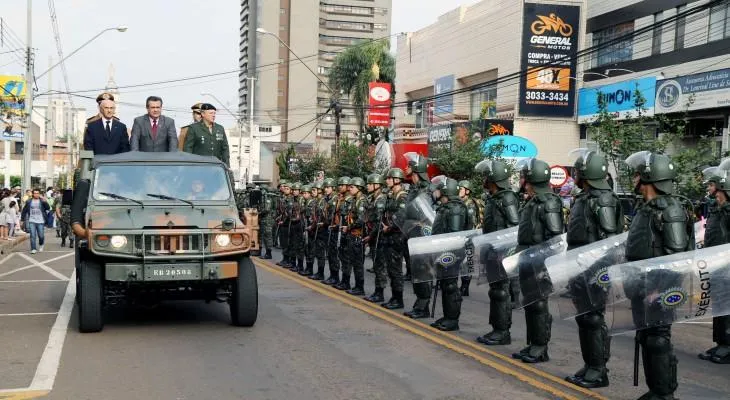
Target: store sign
[12, 94]
[498, 127]
[509, 147]
[444, 104]
[379, 112]
[558, 176]
[693, 92]
[549, 48]
[439, 136]
[620, 99]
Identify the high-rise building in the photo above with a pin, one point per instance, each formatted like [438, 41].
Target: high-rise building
[287, 93]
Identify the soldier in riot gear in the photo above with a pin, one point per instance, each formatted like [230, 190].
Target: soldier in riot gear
[309, 226]
[717, 232]
[375, 212]
[296, 228]
[266, 221]
[501, 211]
[283, 222]
[474, 211]
[541, 219]
[662, 225]
[337, 209]
[416, 170]
[595, 215]
[392, 238]
[451, 217]
[353, 229]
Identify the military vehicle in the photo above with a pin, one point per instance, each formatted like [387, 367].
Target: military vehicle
[160, 226]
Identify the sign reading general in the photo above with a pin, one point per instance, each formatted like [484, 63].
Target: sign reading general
[549, 48]
[620, 99]
[693, 92]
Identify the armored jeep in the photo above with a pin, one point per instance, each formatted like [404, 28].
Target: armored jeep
[160, 226]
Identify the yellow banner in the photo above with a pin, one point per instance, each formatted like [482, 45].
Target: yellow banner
[12, 94]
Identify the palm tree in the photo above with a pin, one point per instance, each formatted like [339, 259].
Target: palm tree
[357, 66]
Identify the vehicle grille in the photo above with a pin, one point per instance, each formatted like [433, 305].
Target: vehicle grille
[172, 244]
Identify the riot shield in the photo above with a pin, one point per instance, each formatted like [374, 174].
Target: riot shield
[416, 219]
[489, 251]
[669, 289]
[440, 257]
[529, 266]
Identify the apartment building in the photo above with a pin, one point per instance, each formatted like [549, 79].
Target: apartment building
[286, 92]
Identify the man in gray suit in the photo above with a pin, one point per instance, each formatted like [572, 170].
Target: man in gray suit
[154, 132]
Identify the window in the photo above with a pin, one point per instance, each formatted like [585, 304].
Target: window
[346, 25]
[616, 52]
[323, 70]
[485, 98]
[719, 26]
[656, 40]
[679, 29]
[380, 27]
[282, 11]
[265, 129]
[339, 40]
[281, 92]
[337, 9]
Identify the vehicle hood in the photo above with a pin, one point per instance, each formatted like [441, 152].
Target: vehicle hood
[152, 217]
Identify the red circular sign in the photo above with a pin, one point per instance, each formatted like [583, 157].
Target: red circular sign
[558, 176]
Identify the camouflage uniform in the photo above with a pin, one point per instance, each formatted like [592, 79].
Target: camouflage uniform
[309, 226]
[64, 224]
[296, 229]
[321, 233]
[392, 241]
[284, 223]
[335, 210]
[354, 247]
[266, 222]
[375, 209]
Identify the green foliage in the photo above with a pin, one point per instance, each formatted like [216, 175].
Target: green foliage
[352, 71]
[354, 161]
[14, 180]
[282, 161]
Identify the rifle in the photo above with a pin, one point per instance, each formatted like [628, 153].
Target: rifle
[435, 296]
[636, 359]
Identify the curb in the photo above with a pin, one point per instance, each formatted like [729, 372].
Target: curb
[10, 246]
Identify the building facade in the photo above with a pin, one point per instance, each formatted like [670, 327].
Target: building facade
[286, 91]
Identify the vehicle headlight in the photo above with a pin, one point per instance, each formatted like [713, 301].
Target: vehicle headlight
[118, 241]
[222, 240]
[102, 240]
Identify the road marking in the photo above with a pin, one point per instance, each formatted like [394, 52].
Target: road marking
[27, 314]
[44, 267]
[36, 281]
[432, 334]
[29, 266]
[699, 323]
[45, 374]
[22, 394]
[6, 258]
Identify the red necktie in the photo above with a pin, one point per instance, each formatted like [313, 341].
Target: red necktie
[154, 129]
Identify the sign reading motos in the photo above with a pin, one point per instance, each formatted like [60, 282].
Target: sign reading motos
[549, 48]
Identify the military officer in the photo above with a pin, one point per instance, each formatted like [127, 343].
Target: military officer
[336, 211]
[354, 230]
[279, 213]
[63, 215]
[501, 211]
[452, 216]
[541, 219]
[595, 215]
[206, 138]
[392, 238]
[266, 221]
[375, 212]
[662, 225]
[296, 228]
[475, 219]
[717, 232]
[284, 223]
[184, 130]
[309, 226]
[321, 233]
[416, 170]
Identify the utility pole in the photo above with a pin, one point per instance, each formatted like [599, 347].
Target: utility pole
[50, 129]
[27, 135]
[251, 90]
[335, 105]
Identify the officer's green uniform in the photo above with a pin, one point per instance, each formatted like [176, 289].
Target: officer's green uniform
[717, 232]
[392, 239]
[663, 225]
[284, 215]
[541, 219]
[501, 211]
[451, 217]
[374, 215]
[339, 237]
[266, 221]
[354, 247]
[201, 141]
[595, 215]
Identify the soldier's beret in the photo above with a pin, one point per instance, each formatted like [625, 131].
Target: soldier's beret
[104, 96]
[207, 106]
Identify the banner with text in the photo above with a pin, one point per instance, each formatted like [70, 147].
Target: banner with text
[444, 104]
[693, 92]
[379, 112]
[549, 48]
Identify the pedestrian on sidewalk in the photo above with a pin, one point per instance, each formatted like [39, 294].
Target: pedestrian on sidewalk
[35, 217]
[11, 216]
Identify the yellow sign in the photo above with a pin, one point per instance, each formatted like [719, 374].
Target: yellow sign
[12, 94]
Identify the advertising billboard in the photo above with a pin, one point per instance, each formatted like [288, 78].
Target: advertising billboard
[549, 47]
[379, 112]
[620, 99]
[444, 104]
[693, 92]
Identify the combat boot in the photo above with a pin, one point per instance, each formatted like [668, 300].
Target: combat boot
[309, 271]
[446, 325]
[70, 243]
[395, 302]
[319, 275]
[358, 290]
[344, 283]
[536, 354]
[332, 280]
[465, 282]
[283, 261]
[420, 309]
[266, 256]
[376, 297]
[721, 355]
[496, 338]
[63, 242]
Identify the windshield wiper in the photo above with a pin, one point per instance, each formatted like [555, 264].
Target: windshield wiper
[119, 197]
[165, 197]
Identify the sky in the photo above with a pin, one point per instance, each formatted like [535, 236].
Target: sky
[162, 43]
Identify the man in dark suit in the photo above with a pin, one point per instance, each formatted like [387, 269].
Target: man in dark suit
[106, 135]
[154, 132]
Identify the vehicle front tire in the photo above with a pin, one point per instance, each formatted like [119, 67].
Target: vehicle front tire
[245, 294]
[90, 297]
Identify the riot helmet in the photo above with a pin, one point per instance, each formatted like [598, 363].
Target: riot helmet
[450, 188]
[417, 164]
[535, 172]
[495, 171]
[655, 169]
[590, 167]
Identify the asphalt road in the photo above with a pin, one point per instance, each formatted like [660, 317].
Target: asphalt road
[308, 343]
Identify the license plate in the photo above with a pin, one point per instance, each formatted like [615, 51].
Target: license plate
[171, 272]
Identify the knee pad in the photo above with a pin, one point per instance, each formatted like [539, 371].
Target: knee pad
[538, 307]
[450, 286]
[658, 344]
[590, 321]
[497, 293]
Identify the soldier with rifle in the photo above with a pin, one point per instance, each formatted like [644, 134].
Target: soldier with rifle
[331, 203]
[391, 239]
[321, 233]
[596, 214]
[354, 229]
[662, 225]
[296, 228]
[310, 227]
[266, 221]
[283, 223]
[501, 211]
[375, 211]
[338, 251]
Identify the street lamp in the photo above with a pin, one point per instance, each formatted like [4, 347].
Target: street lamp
[29, 79]
[249, 175]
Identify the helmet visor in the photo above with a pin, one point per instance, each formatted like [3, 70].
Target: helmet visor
[638, 159]
[484, 166]
[412, 157]
[725, 164]
[580, 154]
[439, 181]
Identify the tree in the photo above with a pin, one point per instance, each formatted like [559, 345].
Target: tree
[354, 68]
[353, 161]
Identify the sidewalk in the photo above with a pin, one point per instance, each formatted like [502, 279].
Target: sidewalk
[8, 246]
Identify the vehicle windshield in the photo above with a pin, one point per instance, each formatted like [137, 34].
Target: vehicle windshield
[187, 182]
